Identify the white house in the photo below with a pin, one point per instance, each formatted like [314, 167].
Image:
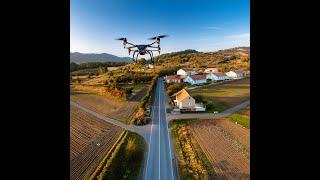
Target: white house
[217, 76]
[174, 79]
[186, 72]
[196, 79]
[184, 101]
[211, 69]
[237, 74]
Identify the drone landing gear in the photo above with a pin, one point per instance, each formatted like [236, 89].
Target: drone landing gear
[135, 59]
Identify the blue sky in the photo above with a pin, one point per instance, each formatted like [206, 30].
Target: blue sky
[203, 25]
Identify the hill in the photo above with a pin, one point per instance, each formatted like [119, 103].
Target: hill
[93, 57]
[224, 60]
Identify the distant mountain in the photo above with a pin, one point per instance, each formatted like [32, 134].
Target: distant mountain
[92, 57]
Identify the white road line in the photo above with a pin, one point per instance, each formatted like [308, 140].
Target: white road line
[159, 128]
[169, 145]
[149, 146]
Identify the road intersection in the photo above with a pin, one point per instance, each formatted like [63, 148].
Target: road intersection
[159, 157]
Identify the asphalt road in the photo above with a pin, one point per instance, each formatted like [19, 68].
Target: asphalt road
[159, 158]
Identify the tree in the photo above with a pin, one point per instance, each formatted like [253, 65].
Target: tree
[198, 98]
[74, 66]
[142, 61]
[102, 70]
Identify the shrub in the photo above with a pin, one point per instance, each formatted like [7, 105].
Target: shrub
[198, 98]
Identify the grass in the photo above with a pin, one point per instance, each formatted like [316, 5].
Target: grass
[241, 118]
[225, 95]
[127, 163]
[136, 87]
[192, 162]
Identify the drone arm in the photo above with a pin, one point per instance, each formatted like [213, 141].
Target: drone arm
[152, 46]
[131, 44]
[152, 43]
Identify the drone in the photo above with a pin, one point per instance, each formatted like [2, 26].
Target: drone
[142, 49]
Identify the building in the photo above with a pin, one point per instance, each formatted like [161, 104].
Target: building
[186, 72]
[174, 79]
[196, 79]
[217, 76]
[185, 102]
[211, 69]
[237, 74]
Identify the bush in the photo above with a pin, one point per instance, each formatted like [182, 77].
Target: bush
[128, 90]
[174, 87]
[209, 106]
[198, 98]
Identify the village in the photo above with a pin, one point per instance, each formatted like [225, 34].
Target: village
[183, 101]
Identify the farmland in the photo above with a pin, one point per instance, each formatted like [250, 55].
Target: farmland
[192, 162]
[127, 161]
[227, 159]
[216, 148]
[116, 109]
[225, 95]
[90, 140]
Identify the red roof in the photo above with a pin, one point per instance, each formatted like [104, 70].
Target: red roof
[218, 74]
[238, 71]
[198, 77]
[174, 77]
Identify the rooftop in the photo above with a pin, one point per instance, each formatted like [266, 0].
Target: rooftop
[198, 77]
[181, 95]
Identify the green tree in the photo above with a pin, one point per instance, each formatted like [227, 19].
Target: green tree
[142, 61]
[102, 70]
[198, 98]
[73, 66]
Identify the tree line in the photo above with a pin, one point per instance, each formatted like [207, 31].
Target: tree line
[91, 65]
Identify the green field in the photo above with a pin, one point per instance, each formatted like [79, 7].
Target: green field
[242, 117]
[224, 96]
[128, 161]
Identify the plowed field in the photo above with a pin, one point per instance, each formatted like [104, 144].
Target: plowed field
[90, 140]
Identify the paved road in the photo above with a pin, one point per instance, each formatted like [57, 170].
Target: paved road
[209, 115]
[159, 164]
[159, 158]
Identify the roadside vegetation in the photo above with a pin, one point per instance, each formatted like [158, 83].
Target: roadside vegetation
[241, 117]
[192, 162]
[126, 161]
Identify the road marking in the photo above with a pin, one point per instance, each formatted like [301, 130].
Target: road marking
[169, 145]
[149, 146]
[159, 126]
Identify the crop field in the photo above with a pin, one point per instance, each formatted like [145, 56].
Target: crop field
[192, 162]
[90, 140]
[119, 110]
[225, 95]
[217, 140]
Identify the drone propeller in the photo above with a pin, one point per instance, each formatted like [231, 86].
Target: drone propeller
[158, 37]
[124, 41]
